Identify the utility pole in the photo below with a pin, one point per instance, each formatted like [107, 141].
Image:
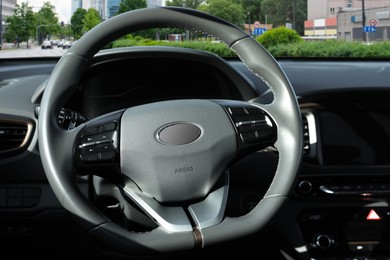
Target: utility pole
[293, 14]
[249, 23]
[1, 24]
[363, 22]
[28, 34]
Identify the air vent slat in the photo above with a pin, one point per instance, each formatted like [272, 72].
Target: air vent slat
[14, 135]
[306, 136]
[309, 135]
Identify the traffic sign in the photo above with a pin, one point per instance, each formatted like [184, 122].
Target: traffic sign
[259, 31]
[372, 22]
[369, 29]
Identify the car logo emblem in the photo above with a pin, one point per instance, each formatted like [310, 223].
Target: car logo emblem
[179, 133]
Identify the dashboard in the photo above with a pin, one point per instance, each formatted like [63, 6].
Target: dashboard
[339, 207]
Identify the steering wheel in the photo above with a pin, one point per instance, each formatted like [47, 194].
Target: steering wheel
[169, 160]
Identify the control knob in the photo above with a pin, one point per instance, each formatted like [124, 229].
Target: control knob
[323, 241]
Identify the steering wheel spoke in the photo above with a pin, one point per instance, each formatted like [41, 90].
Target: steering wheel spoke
[186, 217]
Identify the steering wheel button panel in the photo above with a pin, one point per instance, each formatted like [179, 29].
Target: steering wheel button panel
[98, 143]
[253, 125]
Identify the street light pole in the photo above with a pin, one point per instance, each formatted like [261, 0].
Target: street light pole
[363, 21]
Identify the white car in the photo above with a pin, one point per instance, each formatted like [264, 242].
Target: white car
[46, 45]
[67, 45]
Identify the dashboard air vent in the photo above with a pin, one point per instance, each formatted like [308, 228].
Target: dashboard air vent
[14, 136]
[309, 135]
[306, 139]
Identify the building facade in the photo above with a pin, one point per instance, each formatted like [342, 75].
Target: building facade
[155, 3]
[75, 5]
[86, 4]
[100, 6]
[350, 25]
[7, 8]
[339, 18]
[112, 8]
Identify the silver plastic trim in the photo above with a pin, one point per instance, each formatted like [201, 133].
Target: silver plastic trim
[173, 219]
[210, 211]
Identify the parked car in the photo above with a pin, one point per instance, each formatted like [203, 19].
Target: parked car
[67, 44]
[46, 45]
[60, 43]
[163, 152]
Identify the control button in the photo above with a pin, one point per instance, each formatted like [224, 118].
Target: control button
[323, 241]
[313, 217]
[105, 147]
[89, 139]
[104, 136]
[253, 111]
[89, 157]
[360, 247]
[14, 202]
[105, 156]
[90, 131]
[89, 150]
[32, 192]
[249, 137]
[245, 128]
[15, 192]
[30, 202]
[264, 133]
[107, 128]
[305, 187]
[236, 111]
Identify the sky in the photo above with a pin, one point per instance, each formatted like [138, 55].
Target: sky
[63, 7]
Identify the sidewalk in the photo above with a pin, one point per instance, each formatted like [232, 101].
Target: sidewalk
[22, 45]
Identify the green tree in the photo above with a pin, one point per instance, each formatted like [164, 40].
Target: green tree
[76, 22]
[281, 12]
[300, 15]
[47, 22]
[253, 11]
[20, 24]
[129, 5]
[91, 19]
[194, 4]
[225, 9]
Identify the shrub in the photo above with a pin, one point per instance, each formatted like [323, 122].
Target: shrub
[279, 35]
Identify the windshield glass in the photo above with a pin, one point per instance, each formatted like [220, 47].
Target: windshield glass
[287, 28]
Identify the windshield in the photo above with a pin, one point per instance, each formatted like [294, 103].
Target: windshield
[287, 28]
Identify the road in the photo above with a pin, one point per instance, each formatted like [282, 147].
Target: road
[33, 51]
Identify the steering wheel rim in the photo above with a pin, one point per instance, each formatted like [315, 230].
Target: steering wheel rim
[57, 152]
